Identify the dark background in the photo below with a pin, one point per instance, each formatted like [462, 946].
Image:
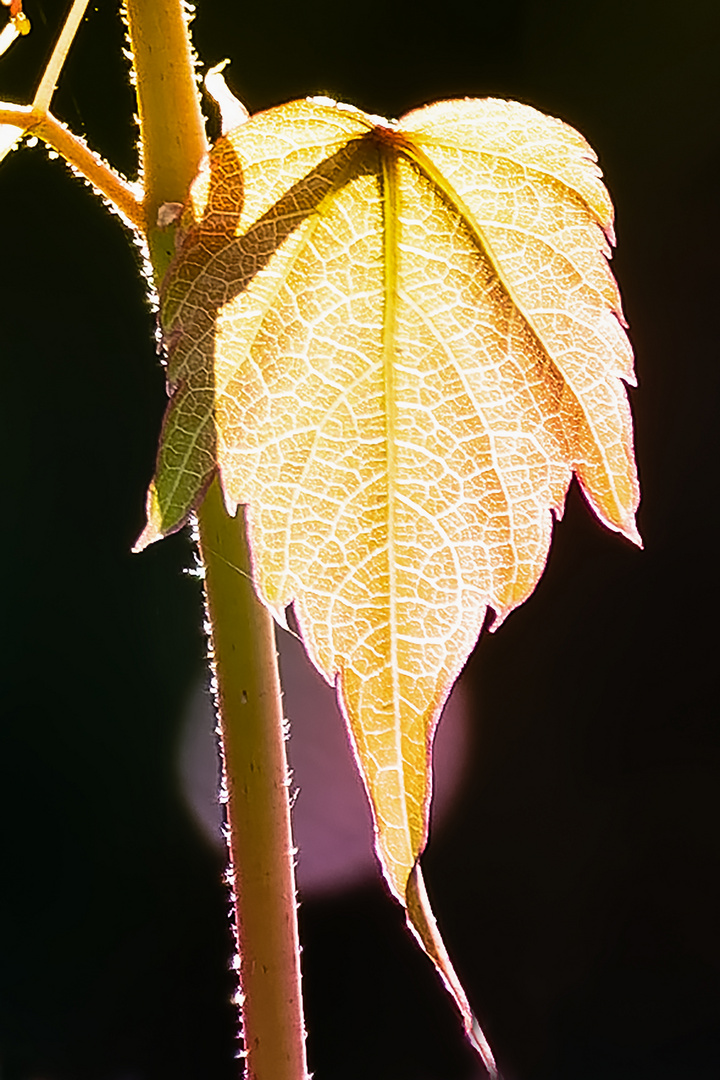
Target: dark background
[576, 878]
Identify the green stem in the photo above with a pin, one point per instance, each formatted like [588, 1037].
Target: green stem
[172, 131]
[258, 806]
[243, 640]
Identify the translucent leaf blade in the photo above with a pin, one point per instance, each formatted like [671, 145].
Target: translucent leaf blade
[246, 188]
[396, 343]
[531, 186]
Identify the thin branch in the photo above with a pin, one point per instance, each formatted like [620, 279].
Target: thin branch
[51, 74]
[8, 35]
[123, 197]
[21, 116]
[116, 190]
[38, 119]
[17, 26]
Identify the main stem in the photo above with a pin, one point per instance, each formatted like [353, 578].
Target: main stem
[256, 778]
[243, 640]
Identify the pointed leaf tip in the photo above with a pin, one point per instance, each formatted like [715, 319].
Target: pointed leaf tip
[397, 343]
[633, 533]
[153, 530]
[424, 927]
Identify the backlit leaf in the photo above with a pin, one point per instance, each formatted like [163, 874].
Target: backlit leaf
[396, 342]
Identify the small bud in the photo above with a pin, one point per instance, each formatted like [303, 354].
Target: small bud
[21, 24]
[168, 214]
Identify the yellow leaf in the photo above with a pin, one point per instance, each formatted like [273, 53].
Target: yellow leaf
[396, 342]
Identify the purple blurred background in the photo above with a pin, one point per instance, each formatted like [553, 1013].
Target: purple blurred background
[574, 874]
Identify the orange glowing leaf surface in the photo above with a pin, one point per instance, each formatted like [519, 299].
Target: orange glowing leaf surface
[396, 342]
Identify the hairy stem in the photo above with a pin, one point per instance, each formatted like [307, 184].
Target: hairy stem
[117, 191]
[38, 119]
[258, 804]
[172, 131]
[243, 640]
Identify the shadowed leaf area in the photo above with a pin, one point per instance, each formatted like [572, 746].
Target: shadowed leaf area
[395, 343]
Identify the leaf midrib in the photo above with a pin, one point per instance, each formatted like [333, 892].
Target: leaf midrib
[389, 195]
